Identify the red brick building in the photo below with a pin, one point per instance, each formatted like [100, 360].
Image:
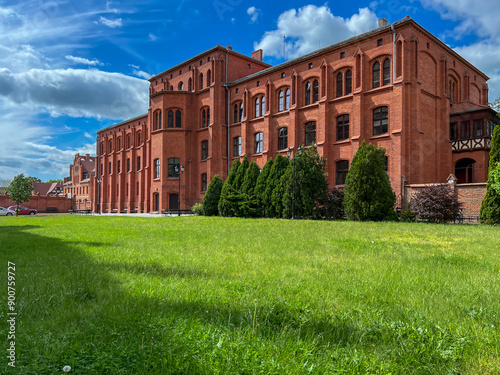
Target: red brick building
[80, 185]
[397, 86]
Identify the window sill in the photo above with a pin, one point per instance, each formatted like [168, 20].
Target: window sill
[342, 98]
[381, 136]
[342, 141]
[388, 87]
[310, 105]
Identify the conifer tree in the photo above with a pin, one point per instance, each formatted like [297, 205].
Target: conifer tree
[273, 201]
[212, 196]
[225, 206]
[260, 186]
[249, 206]
[240, 174]
[490, 207]
[368, 193]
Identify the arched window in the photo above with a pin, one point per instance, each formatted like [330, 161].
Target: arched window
[119, 143]
[308, 93]
[170, 119]
[204, 150]
[341, 169]
[287, 99]
[178, 119]
[387, 72]
[348, 82]
[282, 138]
[138, 138]
[259, 141]
[241, 111]
[376, 75]
[190, 84]
[380, 120]
[181, 86]
[280, 101]
[201, 81]
[235, 114]
[208, 116]
[340, 85]
[310, 131]
[110, 146]
[342, 127]
[209, 78]
[257, 107]
[129, 143]
[157, 121]
[263, 105]
[203, 119]
[315, 91]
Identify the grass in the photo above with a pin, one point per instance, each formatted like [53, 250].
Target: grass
[125, 295]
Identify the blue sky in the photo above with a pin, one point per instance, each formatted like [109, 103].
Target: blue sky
[69, 68]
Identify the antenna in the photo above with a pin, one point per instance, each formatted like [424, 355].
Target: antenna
[284, 48]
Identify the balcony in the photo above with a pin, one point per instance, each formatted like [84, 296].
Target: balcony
[474, 144]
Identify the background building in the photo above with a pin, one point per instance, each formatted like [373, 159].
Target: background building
[79, 186]
[397, 86]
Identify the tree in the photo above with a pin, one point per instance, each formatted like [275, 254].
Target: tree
[260, 186]
[249, 204]
[367, 193]
[333, 205]
[20, 189]
[212, 196]
[52, 181]
[225, 202]
[240, 173]
[490, 207]
[436, 204]
[273, 200]
[311, 185]
[34, 179]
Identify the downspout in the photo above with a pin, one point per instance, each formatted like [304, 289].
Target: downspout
[393, 52]
[228, 116]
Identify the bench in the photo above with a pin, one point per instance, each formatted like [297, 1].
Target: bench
[51, 209]
[177, 211]
[114, 211]
[124, 211]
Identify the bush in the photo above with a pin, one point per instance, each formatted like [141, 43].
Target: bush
[490, 207]
[212, 196]
[198, 209]
[436, 204]
[333, 205]
[368, 192]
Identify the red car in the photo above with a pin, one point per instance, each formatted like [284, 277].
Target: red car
[24, 210]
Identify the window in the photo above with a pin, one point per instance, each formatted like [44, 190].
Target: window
[280, 101]
[157, 168]
[204, 182]
[129, 141]
[118, 167]
[257, 107]
[348, 82]
[380, 120]
[342, 127]
[110, 146]
[209, 78]
[235, 114]
[138, 163]
[258, 143]
[287, 99]
[282, 75]
[204, 150]
[340, 85]
[201, 81]
[478, 128]
[102, 148]
[204, 118]
[282, 138]
[109, 168]
[342, 55]
[386, 163]
[119, 143]
[181, 86]
[190, 84]
[308, 93]
[379, 42]
[263, 105]
[178, 119]
[128, 165]
[172, 163]
[465, 130]
[310, 133]
[157, 121]
[387, 72]
[170, 119]
[315, 91]
[453, 131]
[236, 146]
[310, 65]
[341, 168]
[241, 111]
[138, 138]
[376, 75]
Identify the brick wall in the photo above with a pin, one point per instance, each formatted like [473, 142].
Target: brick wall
[40, 203]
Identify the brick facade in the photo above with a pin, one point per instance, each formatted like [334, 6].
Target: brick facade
[396, 86]
[79, 186]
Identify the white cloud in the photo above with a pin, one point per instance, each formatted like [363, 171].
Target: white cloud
[83, 61]
[312, 27]
[76, 92]
[254, 14]
[89, 136]
[153, 37]
[142, 74]
[110, 23]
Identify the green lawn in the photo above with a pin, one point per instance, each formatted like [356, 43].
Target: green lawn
[126, 295]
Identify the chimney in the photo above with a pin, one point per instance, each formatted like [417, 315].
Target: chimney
[382, 22]
[229, 48]
[257, 55]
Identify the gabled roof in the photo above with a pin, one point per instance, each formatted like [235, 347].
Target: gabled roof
[44, 188]
[467, 106]
[88, 166]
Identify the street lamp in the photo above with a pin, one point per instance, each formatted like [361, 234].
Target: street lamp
[289, 153]
[99, 180]
[179, 169]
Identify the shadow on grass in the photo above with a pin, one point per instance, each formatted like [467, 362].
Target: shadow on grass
[72, 311]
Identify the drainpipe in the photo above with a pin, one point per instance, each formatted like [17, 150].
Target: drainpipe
[228, 116]
[393, 52]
